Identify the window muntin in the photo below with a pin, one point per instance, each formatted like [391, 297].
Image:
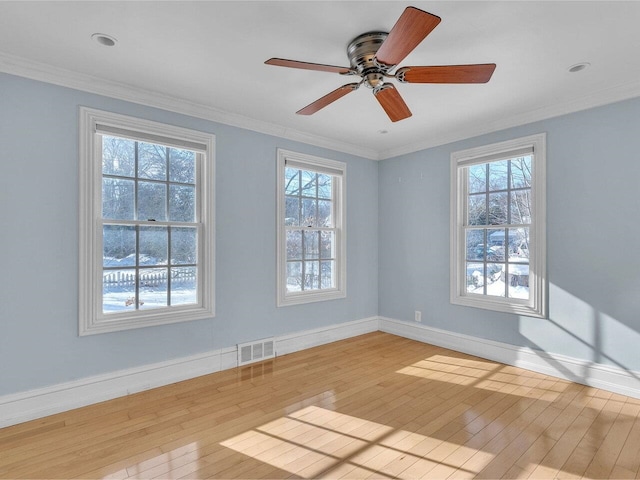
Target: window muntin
[498, 227]
[496, 231]
[311, 251]
[310, 231]
[150, 229]
[146, 223]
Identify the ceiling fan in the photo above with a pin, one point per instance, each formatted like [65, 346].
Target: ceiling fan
[373, 55]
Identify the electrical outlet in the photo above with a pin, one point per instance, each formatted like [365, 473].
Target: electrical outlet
[418, 317]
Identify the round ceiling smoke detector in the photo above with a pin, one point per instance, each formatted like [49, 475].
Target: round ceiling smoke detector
[104, 39]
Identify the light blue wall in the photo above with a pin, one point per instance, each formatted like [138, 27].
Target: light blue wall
[593, 230]
[398, 242]
[39, 344]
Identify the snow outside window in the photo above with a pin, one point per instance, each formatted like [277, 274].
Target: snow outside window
[498, 227]
[146, 226]
[311, 234]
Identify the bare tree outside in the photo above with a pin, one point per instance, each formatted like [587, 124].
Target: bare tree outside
[497, 227]
[309, 223]
[144, 265]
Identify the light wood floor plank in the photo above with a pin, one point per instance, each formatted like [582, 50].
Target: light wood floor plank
[373, 406]
[628, 461]
[577, 463]
[611, 445]
[547, 455]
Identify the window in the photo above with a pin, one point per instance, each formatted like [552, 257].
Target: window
[311, 233]
[146, 223]
[498, 227]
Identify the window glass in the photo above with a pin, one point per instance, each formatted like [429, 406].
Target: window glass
[498, 213]
[311, 232]
[307, 238]
[153, 220]
[149, 245]
[497, 248]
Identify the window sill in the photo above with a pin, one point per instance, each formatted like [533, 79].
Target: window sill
[310, 297]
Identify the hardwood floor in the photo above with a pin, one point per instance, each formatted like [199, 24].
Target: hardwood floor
[375, 406]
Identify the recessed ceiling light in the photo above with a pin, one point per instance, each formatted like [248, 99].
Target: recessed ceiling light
[578, 67]
[104, 39]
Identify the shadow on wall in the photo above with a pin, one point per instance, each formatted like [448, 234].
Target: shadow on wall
[583, 332]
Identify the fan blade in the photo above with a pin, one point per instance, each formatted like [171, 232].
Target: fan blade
[411, 28]
[392, 102]
[282, 62]
[479, 73]
[328, 98]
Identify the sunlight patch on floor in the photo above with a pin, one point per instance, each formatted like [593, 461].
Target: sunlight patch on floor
[315, 442]
[481, 374]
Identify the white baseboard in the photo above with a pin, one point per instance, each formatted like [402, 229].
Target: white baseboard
[37, 403]
[597, 375]
[40, 402]
[297, 341]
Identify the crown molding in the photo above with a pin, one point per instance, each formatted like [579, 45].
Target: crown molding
[87, 83]
[616, 93]
[66, 78]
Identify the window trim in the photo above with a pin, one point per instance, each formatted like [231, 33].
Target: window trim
[536, 305]
[339, 171]
[91, 319]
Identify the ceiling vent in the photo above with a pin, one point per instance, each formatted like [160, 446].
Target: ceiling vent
[256, 351]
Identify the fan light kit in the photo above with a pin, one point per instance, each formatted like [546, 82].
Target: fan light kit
[372, 57]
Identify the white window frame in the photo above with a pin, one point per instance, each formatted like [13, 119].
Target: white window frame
[92, 320]
[536, 305]
[338, 170]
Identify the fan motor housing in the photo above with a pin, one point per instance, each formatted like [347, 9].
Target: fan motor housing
[362, 52]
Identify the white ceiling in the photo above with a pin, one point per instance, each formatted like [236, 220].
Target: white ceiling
[206, 58]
